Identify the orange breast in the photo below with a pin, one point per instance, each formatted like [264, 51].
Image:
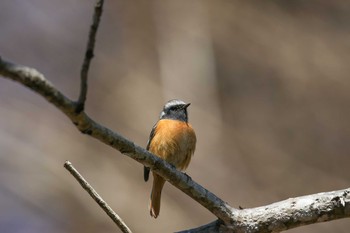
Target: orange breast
[174, 141]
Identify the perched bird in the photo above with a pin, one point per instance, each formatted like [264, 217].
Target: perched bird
[173, 139]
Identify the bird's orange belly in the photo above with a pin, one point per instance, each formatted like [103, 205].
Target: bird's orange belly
[174, 141]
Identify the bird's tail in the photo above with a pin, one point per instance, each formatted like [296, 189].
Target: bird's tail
[158, 183]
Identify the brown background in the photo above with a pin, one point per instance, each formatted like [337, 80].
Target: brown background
[268, 82]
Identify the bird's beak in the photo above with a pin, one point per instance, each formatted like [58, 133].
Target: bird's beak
[186, 105]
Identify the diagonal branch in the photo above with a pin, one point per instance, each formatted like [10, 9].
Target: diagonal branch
[91, 191]
[89, 54]
[36, 81]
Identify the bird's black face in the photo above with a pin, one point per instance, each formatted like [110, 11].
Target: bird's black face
[176, 110]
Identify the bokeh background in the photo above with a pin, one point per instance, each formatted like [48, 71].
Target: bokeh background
[268, 82]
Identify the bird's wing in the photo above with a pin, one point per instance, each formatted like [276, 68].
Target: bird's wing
[146, 170]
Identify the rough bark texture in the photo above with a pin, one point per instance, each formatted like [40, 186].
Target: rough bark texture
[287, 214]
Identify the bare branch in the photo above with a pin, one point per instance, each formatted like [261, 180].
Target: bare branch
[89, 54]
[88, 188]
[36, 81]
[216, 226]
[287, 214]
[295, 212]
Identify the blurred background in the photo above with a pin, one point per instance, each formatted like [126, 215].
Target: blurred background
[268, 82]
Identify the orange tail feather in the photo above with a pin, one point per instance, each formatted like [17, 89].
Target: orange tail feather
[158, 183]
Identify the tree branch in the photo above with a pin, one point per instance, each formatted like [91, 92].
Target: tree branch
[89, 54]
[36, 81]
[287, 214]
[295, 212]
[116, 219]
[216, 226]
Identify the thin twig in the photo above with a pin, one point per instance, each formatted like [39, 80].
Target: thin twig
[89, 54]
[88, 188]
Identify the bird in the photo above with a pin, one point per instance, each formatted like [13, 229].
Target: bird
[172, 139]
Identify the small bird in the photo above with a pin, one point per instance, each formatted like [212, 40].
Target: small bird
[173, 139]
